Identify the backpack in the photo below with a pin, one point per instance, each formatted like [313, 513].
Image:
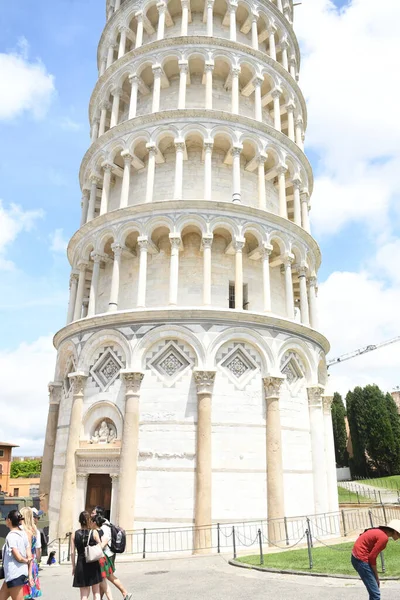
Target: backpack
[117, 543]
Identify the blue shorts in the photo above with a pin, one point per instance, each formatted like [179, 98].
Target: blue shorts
[21, 580]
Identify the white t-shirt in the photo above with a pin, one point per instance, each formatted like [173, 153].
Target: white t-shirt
[107, 534]
[38, 539]
[12, 568]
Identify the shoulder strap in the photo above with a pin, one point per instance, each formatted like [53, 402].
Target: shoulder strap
[90, 533]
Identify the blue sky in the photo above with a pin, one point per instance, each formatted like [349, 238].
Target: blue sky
[353, 147]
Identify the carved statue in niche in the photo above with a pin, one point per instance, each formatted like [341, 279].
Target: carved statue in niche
[104, 434]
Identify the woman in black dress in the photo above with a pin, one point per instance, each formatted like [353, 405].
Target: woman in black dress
[86, 575]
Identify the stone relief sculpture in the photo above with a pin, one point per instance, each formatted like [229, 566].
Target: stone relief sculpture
[106, 433]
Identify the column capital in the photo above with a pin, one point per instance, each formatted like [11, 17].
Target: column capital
[78, 382]
[82, 265]
[124, 29]
[288, 259]
[327, 402]
[97, 257]
[55, 389]
[262, 158]
[73, 277]
[272, 386]
[82, 476]
[276, 92]
[299, 120]
[143, 242]
[107, 166]
[209, 66]
[313, 282]
[161, 7]
[210, 4]
[204, 381]
[185, 3]
[284, 44]
[208, 145]
[232, 5]
[305, 194]
[157, 70]
[152, 148]
[281, 169]
[85, 193]
[132, 380]
[95, 179]
[105, 105]
[126, 157]
[258, 80]
[139, 15]
[236, 149]
[296, 181]
[290, 106]
[179, 145]
[314, 394]
[175, 240]
[236, 70]
[254, 15]
[266, 250]
[134, 78]
[114, 477]
[207, 240]
[117, 91]
[117, 250]
[238, 244]
[183, 66]
[302, 270]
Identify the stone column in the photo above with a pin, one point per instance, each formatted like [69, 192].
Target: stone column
[122, 41]
[103, 65]
[279, 4]
[103, 116]
[290, 111]
[305, 318]
[85, 206]
[85, 306]
[299, 132]
[210, 7]
[55, 390]
[276, 95]
[178, 187]
[129, 449]
[281, 170]
[207, 262]
[232, 6]
[272, 44]
[174, 268]
[208, 148]
[285, 61]
[287, 265]
[266, 252]
[97, 258]
[116, 94]
[235, 90]
[139, 30]
[185, 17]
[81, 290]
[95, 130]
[305, 220]
[94, 182]
[114, 292]
[142, 283]
[162, 8]
[239, 245]
[151, 167]
[183, 71]
[292, 67]
[254, 32]
[67, 518]
[80, 496]
[202, 517]
[258, 81]
[330, 458]
[236, 188]
[105, 194]
[208, 68]
[157, 71]
[296, 201]
[73, 287]
[134, 79]
[126, 179]
[114, 497]
[110, 55]
[275, 494]
[318, 448]
[262, 198]
[312, 294]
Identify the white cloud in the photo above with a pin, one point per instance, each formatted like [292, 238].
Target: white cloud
[24, 375]
[29, 86]
[349, 77]
[58, 242]
[13, 221]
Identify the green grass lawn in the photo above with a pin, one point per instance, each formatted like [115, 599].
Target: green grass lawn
[351, 497]
[333, 560]
[391, 483]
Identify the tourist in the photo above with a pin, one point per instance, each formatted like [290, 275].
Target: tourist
[110, 556]
[17, 559]
[105, 566]
[366, 550]
[86, 575]
[31, 589]
[36, 517]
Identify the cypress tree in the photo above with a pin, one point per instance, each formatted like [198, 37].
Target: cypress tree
[358, 431]
[395, 426]
[339, 431]
[380, 443]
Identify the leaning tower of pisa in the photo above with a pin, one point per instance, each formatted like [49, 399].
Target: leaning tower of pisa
[189, 385]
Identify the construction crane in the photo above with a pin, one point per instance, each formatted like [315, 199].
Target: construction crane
[349, 355]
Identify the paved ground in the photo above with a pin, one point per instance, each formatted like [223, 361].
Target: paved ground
[211, 578]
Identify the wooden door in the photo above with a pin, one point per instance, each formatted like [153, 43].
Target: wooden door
[99, 492]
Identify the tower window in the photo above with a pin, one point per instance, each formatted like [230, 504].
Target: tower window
[232, 300]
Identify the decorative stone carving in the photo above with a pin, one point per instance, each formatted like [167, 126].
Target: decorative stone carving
[204, 381]
[106, 369]
[106, 433]
[272, 386]
[239, 365]
[292, 366]
[170, 362]
[166, 455]
[315, 396]
[78, 381]
[133, 381]
[55, 388]
[327, 402]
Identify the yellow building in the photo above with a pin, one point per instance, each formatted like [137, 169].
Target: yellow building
[18, 486]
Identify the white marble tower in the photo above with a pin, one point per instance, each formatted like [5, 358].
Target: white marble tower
[189, 385]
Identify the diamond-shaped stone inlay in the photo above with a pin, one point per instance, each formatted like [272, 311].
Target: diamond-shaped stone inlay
[239, 365]
[106, 369]
[170, 362]
[292, 368]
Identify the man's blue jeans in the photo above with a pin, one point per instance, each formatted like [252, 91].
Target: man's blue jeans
[368, 578]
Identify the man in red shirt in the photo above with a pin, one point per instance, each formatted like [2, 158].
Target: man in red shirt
[365, 552]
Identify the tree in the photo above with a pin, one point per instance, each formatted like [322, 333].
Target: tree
[380, 444]
[358, 431]
[25, 468]
[339, 431]
[395, 425]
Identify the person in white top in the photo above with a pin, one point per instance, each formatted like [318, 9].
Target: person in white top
[98, 511]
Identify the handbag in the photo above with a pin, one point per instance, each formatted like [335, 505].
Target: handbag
[93, 553]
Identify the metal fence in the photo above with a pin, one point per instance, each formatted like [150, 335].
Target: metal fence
[358, 494]
[237, 536]
[389, 484]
